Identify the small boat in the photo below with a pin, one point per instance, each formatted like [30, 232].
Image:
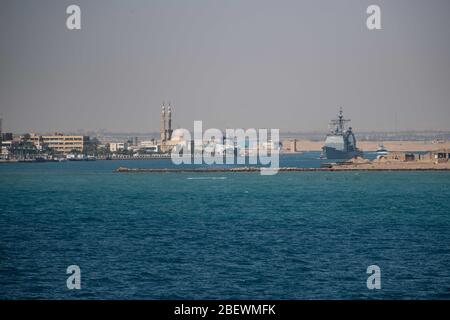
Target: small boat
[75, 157]
[40, 159]
[382, 151]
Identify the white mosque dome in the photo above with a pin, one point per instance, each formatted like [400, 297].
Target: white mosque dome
[177, 135]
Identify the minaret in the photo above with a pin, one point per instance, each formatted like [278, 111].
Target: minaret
[162, 130]
[169, 122]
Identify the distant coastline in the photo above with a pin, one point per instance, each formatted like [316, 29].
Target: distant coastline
[371, 146]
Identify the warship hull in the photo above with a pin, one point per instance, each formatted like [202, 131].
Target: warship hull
[332, 153]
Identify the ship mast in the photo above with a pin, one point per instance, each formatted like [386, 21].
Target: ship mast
[339, 123]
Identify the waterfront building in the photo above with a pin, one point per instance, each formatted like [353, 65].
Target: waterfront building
[6, 142]
[148, 146]
[64, 144]
[118, 146]
[440, 155]
[147, 143]
[179, 142]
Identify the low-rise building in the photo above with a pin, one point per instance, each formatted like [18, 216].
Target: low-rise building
[60, 143]
[440, 155]
[149, 146]
[118, 146]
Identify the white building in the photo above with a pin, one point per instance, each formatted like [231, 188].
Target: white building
[148, 146]
[118, 146]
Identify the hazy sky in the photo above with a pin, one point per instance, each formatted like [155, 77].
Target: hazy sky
[231, 63]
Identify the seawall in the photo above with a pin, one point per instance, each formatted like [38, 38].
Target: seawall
[283, 169]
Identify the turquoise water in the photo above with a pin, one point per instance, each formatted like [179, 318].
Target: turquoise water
[297, 235]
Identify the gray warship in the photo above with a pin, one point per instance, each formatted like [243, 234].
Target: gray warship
[340, 143]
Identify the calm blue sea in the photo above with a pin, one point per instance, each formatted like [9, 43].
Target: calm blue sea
[298, 235]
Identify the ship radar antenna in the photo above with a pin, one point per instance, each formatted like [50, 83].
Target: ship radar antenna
[339, 123]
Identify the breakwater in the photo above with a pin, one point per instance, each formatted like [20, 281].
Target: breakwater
[258, 169]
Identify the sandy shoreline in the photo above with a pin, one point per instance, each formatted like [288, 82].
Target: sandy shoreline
[308, 145]
[394, 166]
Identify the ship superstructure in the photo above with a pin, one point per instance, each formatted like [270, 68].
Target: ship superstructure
[340, 143]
